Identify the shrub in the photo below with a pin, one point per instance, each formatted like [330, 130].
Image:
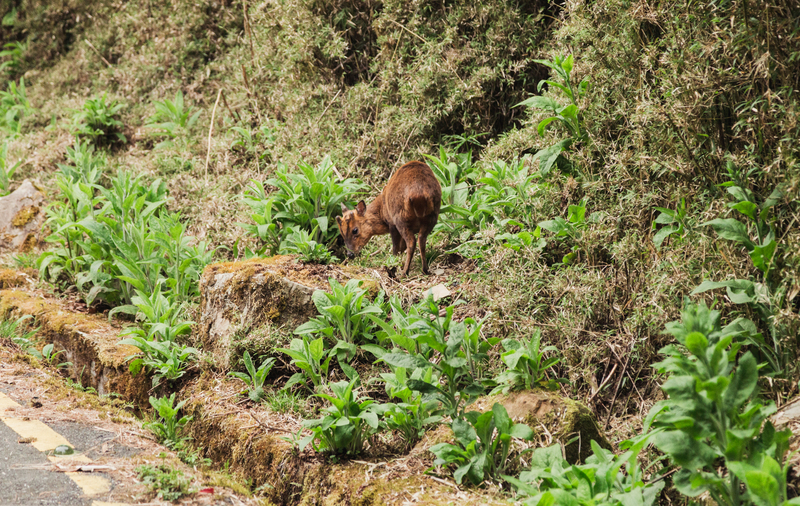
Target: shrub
[254, 379]
[713, 417]
[483, 443]
[98, 122]
[347, 424]
[171, 120]
[308, 201]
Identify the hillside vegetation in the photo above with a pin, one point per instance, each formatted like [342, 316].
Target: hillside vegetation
[618, 176]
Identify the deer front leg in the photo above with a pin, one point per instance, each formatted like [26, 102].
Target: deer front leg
[398, 243]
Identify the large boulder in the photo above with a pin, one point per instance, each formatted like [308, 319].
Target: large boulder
[256, 304]
[21, 218]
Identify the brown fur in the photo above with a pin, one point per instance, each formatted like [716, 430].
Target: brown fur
[408, 205]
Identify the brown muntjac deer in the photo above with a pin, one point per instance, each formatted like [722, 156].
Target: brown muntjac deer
[409, 204]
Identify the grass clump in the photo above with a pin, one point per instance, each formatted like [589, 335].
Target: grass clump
[168, 483]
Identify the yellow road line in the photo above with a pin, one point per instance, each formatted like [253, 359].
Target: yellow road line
[44, 439]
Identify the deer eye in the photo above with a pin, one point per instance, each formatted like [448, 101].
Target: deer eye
[355, 231]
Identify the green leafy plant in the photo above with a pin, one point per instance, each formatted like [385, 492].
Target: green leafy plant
[414, 413]
[156, 338]
[15, 52]
[14, 106]
[674, 222]
[569, 116]
[166, 359]
[452, 349]
[172, 120]
[85, 164]
[258, 143]
[312, 359]
[111, 242]
[78, 385]
[169, 484]
[25, 260]
[97, 121]
[348, 422]
[604, 479]
[483, 443]
[569, 229]
[454, 172]
[168, 427]
[18, 332]
[254, 379]
[713, 417]
[161, 316]
[343, 313]
[49, 355]
[307, 201]
[267, 228]
[767, 297]
[299, 242]
[6, 170]
[527, 367]
[507, 184]
[523, 240]
[191, 456]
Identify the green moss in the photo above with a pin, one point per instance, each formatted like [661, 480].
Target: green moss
[10, 278]
[578, 420]
[92, 342]
[24, 216]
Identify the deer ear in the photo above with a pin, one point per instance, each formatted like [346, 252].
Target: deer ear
[339, 220]
[361, 208]
[344, 208]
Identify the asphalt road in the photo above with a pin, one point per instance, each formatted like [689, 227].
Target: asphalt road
[22, 484]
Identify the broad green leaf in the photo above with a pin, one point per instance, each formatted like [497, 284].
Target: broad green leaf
[731, 229]
[763, 488]
[399, 359]
[697, 343]
[663, 233]
[743, 382]
[464, 431]
[540, 102]
[762, 255]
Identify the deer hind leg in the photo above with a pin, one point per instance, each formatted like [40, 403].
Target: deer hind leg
[423, 240]
[410, 243]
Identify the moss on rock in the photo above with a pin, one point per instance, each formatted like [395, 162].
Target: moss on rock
[564, 418]
[250, 441]
[24, 216]
[270, 294]
[21, 218]
[90, 342]
[9, 278]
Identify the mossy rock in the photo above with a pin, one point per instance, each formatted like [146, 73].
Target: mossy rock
[250, 440]
[255, 304]
[564, 419]
[9, 278]
[89, 341]
[21, 218]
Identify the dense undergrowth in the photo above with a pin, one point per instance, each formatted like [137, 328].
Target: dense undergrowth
[604, 165]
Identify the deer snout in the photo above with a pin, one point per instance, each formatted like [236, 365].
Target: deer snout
[351, 255]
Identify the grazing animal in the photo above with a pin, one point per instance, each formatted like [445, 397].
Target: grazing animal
[409, 204]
